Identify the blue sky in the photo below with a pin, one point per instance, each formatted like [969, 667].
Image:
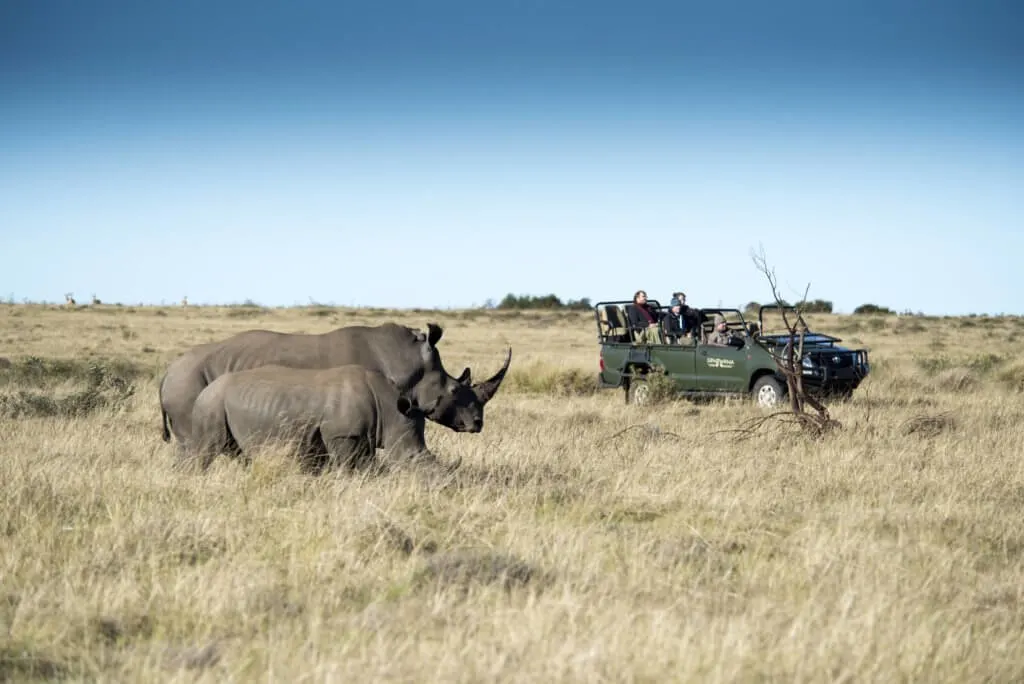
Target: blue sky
[437, 154]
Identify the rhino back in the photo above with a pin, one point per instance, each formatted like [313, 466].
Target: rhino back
[257, 348]
[389, 348]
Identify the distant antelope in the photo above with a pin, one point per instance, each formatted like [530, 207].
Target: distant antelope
[68, 299]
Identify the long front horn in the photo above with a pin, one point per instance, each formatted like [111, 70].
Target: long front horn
[487, 389]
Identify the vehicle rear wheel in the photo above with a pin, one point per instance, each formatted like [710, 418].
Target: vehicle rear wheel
[639, 392]
[768, 391]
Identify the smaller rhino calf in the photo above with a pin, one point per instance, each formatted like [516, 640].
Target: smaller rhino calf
[342, 415]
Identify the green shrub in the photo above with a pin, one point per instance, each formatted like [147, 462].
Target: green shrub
[872, 309]
[815, 306]
[662, 388]
[550, 301]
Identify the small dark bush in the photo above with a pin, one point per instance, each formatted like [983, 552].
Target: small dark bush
[816, 306]
[872, 309]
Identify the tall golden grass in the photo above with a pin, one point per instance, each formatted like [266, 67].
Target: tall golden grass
[582, 539]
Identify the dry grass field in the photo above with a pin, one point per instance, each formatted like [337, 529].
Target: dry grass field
[581, 540]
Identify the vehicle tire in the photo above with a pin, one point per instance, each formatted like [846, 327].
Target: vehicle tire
[639, 393]
[768, 391]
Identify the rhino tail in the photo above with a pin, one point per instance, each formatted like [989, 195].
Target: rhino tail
[166, 425]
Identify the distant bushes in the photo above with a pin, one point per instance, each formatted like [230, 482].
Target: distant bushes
[812, 306]
[872, 309]
[550, 301]
[816, 306]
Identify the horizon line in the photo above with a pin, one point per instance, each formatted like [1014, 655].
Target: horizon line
[479, 308]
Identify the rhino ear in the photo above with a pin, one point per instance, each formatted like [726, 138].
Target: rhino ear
[404, 405]
[464, 378]
[434, 332]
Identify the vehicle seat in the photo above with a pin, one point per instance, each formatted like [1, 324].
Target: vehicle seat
[613, 323]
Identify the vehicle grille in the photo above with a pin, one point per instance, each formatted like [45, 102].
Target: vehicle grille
[836, 359]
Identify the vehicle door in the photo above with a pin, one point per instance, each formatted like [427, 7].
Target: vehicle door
[722, 369]
[679, 361]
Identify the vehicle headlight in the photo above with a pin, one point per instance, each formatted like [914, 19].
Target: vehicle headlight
[806, 362]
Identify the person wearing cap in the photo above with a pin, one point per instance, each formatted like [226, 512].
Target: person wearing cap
[690, 315]
[674, 322]
[643, 319]
[722, 335]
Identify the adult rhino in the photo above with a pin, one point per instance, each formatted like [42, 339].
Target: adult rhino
[341, 414]
[406, 356]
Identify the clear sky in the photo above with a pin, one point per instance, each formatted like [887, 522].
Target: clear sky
[439, 153]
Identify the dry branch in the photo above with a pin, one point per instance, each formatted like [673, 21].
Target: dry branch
[789, 361]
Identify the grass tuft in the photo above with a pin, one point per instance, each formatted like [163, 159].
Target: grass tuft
[543, 378]
[104, 389]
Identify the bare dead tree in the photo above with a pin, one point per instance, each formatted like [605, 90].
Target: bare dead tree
[789, 361]
[69, 300]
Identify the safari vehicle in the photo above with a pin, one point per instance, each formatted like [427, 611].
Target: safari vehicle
[746, 367]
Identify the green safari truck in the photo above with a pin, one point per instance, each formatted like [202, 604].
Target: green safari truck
[746, 366]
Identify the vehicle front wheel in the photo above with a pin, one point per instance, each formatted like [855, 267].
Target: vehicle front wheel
[768, 391]
[639, 393]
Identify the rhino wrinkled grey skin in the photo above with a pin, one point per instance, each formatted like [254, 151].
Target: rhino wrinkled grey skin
[406, 356]
[339, 414]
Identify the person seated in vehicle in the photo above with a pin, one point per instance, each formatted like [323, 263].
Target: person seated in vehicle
[690, 314]
[674, 323]
[643, 320]
[722, 336]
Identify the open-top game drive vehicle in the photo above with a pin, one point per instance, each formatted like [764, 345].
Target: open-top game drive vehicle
[744, 367]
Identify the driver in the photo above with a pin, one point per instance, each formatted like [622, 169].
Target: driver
[722, 335]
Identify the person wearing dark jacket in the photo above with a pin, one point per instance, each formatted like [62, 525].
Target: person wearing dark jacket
[674, 323]
[643, 320]
[690, 315]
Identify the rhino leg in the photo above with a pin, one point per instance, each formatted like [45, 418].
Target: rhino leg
[211, 435]
[353, 452]
[313, 454]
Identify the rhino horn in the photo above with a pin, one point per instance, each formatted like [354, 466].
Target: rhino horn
[487, 389]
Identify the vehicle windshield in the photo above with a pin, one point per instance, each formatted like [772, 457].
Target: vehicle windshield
[772, 323]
